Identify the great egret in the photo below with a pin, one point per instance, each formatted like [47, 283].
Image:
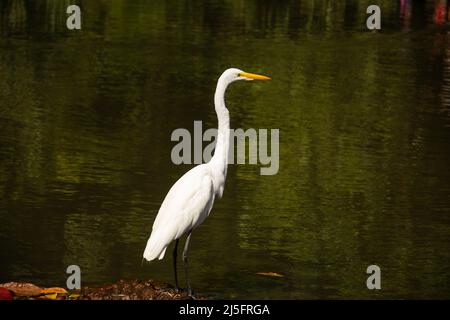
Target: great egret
[189, 201]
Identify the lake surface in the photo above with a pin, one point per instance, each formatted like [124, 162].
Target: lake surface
[86, 119]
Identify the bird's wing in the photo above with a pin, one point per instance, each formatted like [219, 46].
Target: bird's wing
[186, 205]
[188, 196]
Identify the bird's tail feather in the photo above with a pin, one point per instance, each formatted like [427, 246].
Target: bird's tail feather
[154, 249]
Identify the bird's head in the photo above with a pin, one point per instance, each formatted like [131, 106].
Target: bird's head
[233, 74]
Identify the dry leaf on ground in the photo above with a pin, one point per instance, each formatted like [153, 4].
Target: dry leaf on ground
[22, 289]
[53, 290]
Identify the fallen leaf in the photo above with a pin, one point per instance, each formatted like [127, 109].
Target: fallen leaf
[22, 289]
[51, 296]
[53, 290]
[270, 274]
[5, 294]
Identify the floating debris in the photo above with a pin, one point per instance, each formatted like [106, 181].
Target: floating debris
[270, 274]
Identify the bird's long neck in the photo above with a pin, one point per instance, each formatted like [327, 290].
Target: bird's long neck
[219, 161]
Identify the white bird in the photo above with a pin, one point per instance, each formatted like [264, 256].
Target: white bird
[189, 201]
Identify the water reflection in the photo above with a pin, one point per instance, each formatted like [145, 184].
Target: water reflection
[255, 18]
[85, 125]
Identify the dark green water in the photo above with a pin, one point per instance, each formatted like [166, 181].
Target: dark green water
[364, 118]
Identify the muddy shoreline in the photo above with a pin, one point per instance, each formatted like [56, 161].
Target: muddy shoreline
[121, 290]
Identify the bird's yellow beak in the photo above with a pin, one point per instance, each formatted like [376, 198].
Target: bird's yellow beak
[253, 76]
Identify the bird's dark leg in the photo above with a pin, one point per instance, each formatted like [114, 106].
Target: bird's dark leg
[177, 288]
[185, 260]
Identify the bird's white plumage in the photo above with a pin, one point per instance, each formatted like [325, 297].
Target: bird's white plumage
[186, 205]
